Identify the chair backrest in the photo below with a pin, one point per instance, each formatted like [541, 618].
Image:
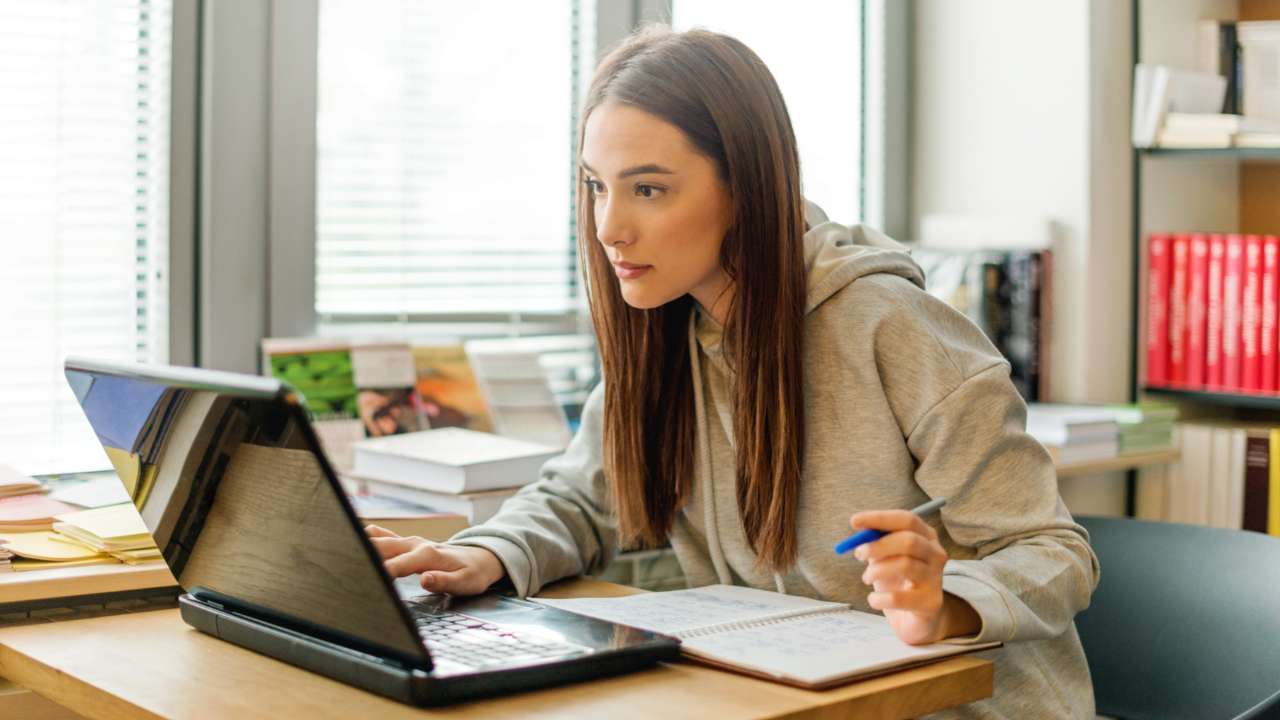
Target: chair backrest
[1185, 622]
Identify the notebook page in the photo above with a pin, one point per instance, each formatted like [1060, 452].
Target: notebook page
[815, 649]
[680, 610]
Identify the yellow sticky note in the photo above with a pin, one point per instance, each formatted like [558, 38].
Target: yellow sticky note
[41, 546]
[114, 522]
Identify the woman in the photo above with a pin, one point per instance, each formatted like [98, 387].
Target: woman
[766, 376]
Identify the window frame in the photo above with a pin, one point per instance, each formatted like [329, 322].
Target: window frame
[244, 161]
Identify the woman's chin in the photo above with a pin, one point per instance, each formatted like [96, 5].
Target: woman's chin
[641, 299]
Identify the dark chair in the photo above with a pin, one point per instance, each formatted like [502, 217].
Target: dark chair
[1185, 622]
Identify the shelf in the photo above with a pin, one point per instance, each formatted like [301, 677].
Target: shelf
[1265, 402]
[83, 580]
[1215, 153]
[1125, 462]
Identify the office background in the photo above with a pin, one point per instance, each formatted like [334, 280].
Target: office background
[291, 167]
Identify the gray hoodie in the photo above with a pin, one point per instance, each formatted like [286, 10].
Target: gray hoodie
[905, 400]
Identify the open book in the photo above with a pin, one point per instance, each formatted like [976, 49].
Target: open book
[796, 640]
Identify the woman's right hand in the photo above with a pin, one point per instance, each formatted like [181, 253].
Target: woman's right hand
[452, 569]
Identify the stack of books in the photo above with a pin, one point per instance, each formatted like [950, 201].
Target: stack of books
[1212, 312]
[1074, 433]
[452, 470]
[1145, 427]
[6, 565]
[406, 519]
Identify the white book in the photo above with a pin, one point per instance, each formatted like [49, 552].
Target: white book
[1159, 90]
[451, 460]
[796, 640]
[1235, 485]
[477, 507]
[1219, 479]
[1218, 123]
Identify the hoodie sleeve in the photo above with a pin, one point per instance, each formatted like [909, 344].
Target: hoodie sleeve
[562, 524]
[1030, 569]
[1017, 557]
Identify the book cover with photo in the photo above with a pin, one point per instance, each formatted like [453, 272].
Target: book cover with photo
[448, 388]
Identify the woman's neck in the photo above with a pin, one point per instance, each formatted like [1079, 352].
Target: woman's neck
[715, 296]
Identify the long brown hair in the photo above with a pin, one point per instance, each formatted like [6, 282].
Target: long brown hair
[722, 97]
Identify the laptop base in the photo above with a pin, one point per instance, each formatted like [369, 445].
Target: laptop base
[398, 682]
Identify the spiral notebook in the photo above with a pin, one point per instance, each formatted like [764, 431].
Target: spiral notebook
[795, 640]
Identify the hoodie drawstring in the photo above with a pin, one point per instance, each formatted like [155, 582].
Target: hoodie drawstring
[704, 469]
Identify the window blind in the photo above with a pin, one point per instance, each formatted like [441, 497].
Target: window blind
[84, 107]
[813, 49]
[444, 159]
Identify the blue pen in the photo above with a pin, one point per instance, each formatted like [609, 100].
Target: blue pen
[869, 535]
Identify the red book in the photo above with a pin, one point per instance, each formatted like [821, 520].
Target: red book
[1197, 309]
[1213, 323]
[1232, 285]
[1178, 309]
[1158, 255]
[1251, 318]
[1270, 304]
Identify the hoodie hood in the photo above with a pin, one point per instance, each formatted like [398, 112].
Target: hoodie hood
[836, 255]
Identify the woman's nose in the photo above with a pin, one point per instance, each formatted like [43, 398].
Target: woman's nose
[611, 226]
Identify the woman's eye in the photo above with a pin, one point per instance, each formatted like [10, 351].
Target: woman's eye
[647, 190]
[593, 186]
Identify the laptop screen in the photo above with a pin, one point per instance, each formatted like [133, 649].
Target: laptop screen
[230, 479]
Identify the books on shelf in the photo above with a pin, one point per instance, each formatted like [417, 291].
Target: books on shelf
[1008, 295]
[1227, 476]
[406, 518]
[1260, 68]
[452, 460]
[1159, 90]
[1212, 312]
[795, 640]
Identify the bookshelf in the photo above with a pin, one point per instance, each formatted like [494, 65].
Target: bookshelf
[1116, 464]
[1214, 153]
[1229, 190]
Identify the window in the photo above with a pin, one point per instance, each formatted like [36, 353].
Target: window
[813, 49]
[444, 178]
[84, 105]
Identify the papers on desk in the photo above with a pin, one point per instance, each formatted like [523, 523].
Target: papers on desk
[13, 483]
[95, 493]
[110, 529]
[790, 639]
[29, 512]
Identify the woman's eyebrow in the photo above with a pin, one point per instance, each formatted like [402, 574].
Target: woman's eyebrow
[649, 169]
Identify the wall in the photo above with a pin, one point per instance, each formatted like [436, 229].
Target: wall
[1023, 109]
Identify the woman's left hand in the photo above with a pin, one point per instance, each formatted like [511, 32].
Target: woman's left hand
[904, 569]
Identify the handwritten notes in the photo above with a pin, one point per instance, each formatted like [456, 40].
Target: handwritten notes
[793, 639]
[684, 610]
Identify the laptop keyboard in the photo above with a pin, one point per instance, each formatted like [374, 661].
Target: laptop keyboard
[462, 644]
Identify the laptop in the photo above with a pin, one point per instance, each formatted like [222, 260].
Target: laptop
[230, 478]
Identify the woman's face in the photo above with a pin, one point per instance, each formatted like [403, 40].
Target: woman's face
[661, 209]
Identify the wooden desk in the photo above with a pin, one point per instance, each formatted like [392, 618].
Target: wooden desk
[20, 588]
[153, 666]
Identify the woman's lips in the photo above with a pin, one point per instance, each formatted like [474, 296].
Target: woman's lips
[630, 271]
